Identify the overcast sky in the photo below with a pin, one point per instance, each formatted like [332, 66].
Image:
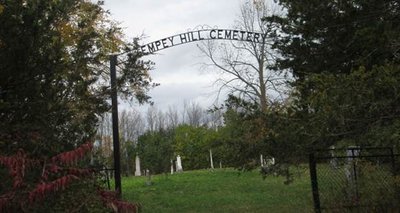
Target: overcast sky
[178, 68]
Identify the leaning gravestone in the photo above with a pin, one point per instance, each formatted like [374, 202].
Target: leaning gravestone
[211, 160]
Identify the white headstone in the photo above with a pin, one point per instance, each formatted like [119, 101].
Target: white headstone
[178, 164]
[172, 167]
[334, 161]
[271, 161]
[137, 162]
[261, 160]
[211, 160]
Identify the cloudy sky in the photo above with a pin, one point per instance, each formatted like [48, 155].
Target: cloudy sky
[178, 69]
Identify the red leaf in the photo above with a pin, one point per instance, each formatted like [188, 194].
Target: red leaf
[71, 157]
[43, 189]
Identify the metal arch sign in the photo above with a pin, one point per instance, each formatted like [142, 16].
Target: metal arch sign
[205, 34]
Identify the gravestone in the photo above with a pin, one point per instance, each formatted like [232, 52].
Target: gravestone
[351, 171]
[261, 160]
[137, 168]
[172, 167]
[178, 164]
[334, 161]
[270, 161]
[211, 160]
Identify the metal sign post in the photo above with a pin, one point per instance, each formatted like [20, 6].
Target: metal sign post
[114, 105]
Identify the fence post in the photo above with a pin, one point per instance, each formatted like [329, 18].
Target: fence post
[314, 183]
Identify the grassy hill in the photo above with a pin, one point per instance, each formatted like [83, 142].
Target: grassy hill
[220, 190]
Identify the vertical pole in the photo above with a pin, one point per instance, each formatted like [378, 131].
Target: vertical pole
[114, 103]
[353, 155]
[314, 183]
[393, 162]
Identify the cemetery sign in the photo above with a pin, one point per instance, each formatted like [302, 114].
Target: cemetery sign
[205, 34]
[183, 38]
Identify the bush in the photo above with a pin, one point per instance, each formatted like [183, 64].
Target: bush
[58, 184]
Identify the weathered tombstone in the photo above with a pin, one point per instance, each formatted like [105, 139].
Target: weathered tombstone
[267, 165]
[172, 167]
[148, 182]
[211, 160]
[261, 160]
[178, 164]
[137, 168]
[270, 161]
[352, 153]
[334, 161]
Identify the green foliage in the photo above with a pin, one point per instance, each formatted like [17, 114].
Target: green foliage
[243, 133]
[155, 151]
[335, 36]
[193, 144]
[248, 133]
[361, 107]
[344, 57]
[54, 65]
[53, 57]
[128, 157]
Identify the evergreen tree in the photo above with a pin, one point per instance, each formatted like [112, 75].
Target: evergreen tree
[336, 36]
[53, 86]
[53, 73]
[344, 57]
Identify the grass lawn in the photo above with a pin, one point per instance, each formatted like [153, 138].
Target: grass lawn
[221, 190]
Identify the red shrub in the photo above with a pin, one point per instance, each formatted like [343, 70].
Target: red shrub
[55, 177]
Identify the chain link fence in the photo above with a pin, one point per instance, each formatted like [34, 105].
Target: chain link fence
[355, 180]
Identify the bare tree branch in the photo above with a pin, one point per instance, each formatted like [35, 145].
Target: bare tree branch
[245, 63]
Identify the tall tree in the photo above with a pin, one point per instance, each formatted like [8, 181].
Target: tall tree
[54, 59]
[344, 57]
[172, 117]
[194, 113]
[192, 143]
[336, 36]
[151, 118]
[131, 127]
[156, 151]
[51, 81]
[245, 66]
